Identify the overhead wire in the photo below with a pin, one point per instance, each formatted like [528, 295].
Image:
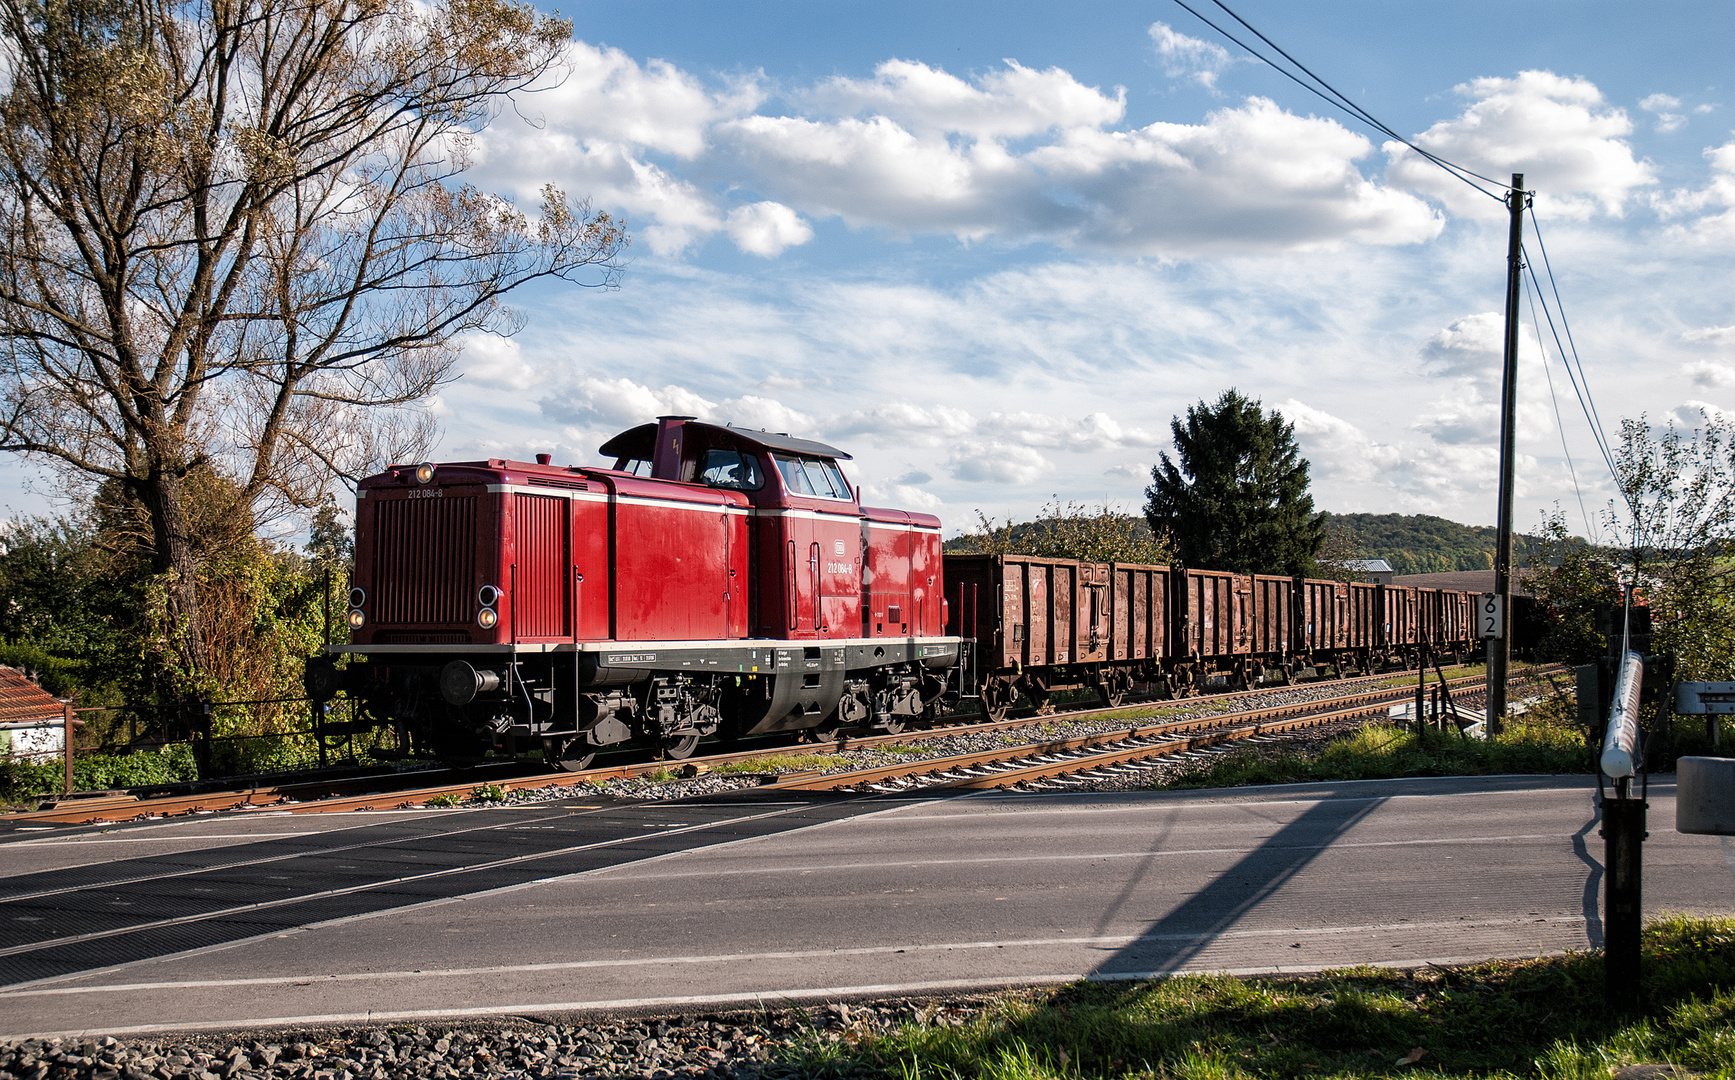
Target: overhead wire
[1338, 100]
[1536, 325]
[1596, 418]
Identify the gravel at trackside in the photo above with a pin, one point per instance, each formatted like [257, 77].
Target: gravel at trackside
[737, 1046]
[1042, 729]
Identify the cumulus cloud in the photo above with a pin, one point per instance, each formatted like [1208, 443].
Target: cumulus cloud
[1249, 178]
[994, 462]
[1706, 215]
[767, 228]
[1012, 103]
[1709, 375]
[621, 403]
[1188, 57]
[1569, 143]
[495, 362]
[1664, 106]
[1470, 353]
[1711, 335]
[901, 422]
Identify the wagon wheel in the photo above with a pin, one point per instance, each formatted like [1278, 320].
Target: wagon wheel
[891, 724]
[1112, 692]
[997, 700]
[827, 729]
[572, 753]
[679, 747]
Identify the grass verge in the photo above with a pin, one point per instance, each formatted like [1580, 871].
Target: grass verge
[1536, 1018]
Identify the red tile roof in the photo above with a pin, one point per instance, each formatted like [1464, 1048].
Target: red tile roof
[22, 700]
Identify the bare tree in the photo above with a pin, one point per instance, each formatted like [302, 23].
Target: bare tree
[235, 241]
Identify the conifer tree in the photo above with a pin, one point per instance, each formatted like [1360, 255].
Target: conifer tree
[1237, 498]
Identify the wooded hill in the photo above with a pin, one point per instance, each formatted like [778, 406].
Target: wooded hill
[1425, 544]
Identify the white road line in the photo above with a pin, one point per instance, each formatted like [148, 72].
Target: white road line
[627, 871]
[285, 901]
[751, 997]
[191, 838]
[481, 894]
[1118, 941]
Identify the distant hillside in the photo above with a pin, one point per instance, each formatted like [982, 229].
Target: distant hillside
[1425, 544]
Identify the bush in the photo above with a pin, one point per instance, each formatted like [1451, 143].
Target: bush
[22, 780]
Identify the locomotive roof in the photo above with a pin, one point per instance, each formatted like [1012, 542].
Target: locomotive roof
[640, 441]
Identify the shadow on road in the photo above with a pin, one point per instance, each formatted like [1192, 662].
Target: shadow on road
[1184, 933]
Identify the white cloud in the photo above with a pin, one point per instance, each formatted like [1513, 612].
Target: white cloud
[1712, 335]
[621, 403]
[767, 228]
[1012, 103]
[1709, 375]
[900, 422]
[1189, 57]
[1664, 105]
[1137, 470]
[1249, 178]
[993, 462]
[494, 361]
[603, 95]
[1700, 209]
[1558, 131]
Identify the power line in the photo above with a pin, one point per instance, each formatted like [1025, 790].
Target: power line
[1560, 425]
[1331, 96]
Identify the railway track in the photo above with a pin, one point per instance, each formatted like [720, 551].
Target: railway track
[1020, 766]
[388, 791]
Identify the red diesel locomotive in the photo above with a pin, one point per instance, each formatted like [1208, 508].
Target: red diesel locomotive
[713, 581]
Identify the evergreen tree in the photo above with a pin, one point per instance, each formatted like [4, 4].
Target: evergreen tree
[1238, 498]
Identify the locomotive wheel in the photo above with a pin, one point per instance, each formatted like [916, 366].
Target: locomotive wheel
[678, 747]
[572, 754]
[827, 730]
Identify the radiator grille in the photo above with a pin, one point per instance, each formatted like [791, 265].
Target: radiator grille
[424, 561]
[539, 523]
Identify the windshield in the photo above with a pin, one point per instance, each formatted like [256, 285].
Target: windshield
[812, 476]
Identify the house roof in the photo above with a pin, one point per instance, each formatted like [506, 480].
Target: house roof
[1371, 566]
[22, 701]
[1476, 581]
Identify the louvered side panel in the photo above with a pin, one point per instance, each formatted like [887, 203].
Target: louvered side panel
[539, 525]
[424, 561]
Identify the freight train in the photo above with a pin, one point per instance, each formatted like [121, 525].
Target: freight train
[716, 581]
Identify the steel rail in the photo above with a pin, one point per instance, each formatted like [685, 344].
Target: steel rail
[327, 796]
[1230, 727]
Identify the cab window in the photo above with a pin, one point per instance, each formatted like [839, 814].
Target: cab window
[812, 476]
[731, 469]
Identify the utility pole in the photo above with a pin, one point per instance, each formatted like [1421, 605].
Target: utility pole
[1500, 648]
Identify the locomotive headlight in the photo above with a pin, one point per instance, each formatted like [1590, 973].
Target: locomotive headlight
[356, 618]
[357, 597]
[425, 472]
[486, 618]
[487, 596]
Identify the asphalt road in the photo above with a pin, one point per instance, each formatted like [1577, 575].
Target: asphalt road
[269, 919]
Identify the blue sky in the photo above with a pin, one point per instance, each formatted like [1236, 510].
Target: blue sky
[991, 249]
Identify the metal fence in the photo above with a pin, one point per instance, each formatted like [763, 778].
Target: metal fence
[327, 732]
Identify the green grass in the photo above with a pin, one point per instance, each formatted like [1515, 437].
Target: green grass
[1544, 740]
[783, 763]
[1381, 753]
[1539, 1018]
